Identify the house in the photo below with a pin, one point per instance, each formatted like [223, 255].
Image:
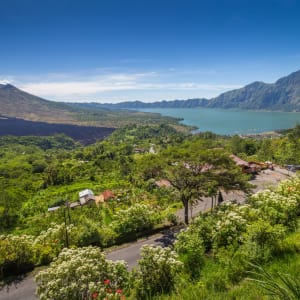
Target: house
[245, 166]
[85, 196]
[104, 196]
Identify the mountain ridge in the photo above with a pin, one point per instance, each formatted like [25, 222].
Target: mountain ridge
[283, 95]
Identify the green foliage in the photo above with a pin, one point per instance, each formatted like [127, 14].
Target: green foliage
[133, 220]
[264, 237]
[17, 255]
[278, 286]
[157, 271]
[191, 250]
[59, 141]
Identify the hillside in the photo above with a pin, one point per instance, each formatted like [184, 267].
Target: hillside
[190, 103]
[15, 103]
[283, 95]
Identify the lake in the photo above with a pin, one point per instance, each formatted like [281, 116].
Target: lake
[226, 121]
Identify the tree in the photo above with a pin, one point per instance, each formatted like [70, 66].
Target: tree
[189, 181]
[204, 174]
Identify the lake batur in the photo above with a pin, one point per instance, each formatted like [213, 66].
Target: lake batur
[229, 122]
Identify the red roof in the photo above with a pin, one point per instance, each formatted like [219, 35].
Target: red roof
[107, 194]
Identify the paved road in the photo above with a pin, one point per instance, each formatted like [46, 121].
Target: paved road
[24, 289]
[131, 253]
[20, 290]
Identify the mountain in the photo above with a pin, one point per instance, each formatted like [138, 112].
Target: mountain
[15, 103]
[139, 104]
[19, 104]
[283, 95]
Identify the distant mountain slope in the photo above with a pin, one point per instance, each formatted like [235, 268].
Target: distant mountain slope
[139, 104]
[282, 95]
[16, 103]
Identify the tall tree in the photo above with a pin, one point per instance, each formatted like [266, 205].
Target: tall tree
[205, 174]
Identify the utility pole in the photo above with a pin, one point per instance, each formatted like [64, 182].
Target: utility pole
[66, 229]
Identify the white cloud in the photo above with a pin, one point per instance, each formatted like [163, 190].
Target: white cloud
[147, 86]
[6, 79]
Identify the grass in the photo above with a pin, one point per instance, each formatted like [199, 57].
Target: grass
[277, 279]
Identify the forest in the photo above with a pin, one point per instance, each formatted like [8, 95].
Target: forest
[234, 251]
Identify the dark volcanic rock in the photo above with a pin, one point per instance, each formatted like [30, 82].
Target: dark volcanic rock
[84, 134]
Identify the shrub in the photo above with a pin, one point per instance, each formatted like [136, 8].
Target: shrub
[264, 237]
[136, 218]
[82, 273]
[191, 250]
[157, 271]
[16, 254]
[231, 224]
[276, 208]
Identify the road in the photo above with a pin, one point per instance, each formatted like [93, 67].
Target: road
[25, 289]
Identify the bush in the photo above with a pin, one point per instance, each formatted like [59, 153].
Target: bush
[231, 224]
[157, 271]
[191, 251]
[137, 218]
[83, 273]
[262, 237]
[17, 254]
[277, 208]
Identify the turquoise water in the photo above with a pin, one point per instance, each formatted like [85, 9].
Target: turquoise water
[223, 121]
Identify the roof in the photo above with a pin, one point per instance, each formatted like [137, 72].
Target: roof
[85, 192]
[238, 160]
[108, 194]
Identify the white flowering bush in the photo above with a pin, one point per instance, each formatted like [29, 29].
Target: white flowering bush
[290, 187]
[55, 234]
[157, 271]
[136, 218]
[82, 273]
[17, 254]
[276, 207]
[50, 242]
[230, 225]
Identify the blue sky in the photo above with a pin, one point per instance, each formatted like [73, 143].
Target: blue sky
[119, 50]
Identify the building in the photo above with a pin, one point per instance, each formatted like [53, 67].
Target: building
[85, 196]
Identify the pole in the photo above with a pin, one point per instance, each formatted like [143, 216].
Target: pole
[68, 208]
[66, 229]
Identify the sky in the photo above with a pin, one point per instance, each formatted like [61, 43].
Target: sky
[148, 50]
